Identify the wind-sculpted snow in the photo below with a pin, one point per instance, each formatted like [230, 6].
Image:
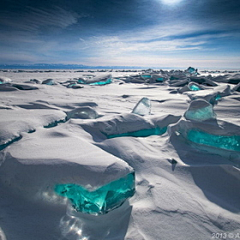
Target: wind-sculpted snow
[4, 80]
[129, 125]
[15, 122]
[141, 133]
[71, 160]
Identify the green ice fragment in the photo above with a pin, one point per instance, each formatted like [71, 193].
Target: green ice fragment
[141, 133]
[108, 81]
[217, 97]
[101, 200]
[200, 114]
[224, 142]
[194, 87]
[146, 76]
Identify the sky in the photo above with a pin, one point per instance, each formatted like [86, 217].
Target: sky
[145, 33]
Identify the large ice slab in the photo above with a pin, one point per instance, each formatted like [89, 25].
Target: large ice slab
[50, 159]
[220, 141]
[217, 137]
[101, 200]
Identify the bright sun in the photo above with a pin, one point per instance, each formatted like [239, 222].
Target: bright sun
[171, 2]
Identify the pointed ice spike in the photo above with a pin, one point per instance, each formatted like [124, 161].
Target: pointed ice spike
[143, 107]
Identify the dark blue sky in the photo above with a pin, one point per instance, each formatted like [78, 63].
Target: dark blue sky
[160, 33]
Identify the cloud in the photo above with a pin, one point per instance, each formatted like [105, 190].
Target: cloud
[34, 19]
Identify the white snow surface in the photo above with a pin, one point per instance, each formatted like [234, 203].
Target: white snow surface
[183, 191]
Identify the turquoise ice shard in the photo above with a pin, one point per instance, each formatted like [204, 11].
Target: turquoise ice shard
[192, 71]
[146, 76]
[99, 80]
[219, 141]
[141, 133]
[107, 81]
[194, 86]
[199, 110]
[143, 107]
[101, 200]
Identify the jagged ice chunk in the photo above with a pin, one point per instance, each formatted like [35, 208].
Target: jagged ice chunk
[101, 200]
[143, 107]
[199, 110]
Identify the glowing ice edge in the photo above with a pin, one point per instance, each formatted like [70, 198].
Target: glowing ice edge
[141, 133]
[225, 142]
[194, 87]
[101, 200]
[200, 114]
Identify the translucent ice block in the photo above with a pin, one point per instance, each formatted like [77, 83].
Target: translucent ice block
[194, 87]
[219, 141]
[108, 81]
[201, 114]
[143, 107]
[146, 76]
[101, 200]
[199, 110]
[141, 133]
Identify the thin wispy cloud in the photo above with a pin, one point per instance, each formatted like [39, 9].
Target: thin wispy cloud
[33, 19]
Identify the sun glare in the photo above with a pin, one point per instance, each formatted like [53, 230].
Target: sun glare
[171, 2]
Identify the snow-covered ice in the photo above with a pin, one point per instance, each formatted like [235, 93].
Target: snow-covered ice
[79, 163]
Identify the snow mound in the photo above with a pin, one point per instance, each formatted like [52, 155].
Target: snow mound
[83, 113]
[17, 121]
[5, 80]
[58, 156]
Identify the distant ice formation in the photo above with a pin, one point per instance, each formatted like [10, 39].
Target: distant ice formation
[194, 86]
[49, 82]
[99, 80]
[5, 80]
[192, 71]
[199, 110]
[237, 88]
[143, 107]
